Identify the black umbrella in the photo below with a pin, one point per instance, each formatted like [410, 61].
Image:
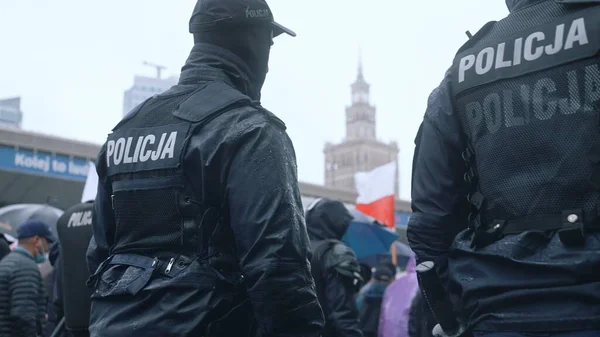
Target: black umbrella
[14, 215]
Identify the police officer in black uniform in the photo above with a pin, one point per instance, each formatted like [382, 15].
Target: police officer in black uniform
[506, 173]
[72, 296]
[334, 267]
[199, 225]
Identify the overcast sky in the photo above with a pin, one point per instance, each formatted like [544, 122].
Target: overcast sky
[71, 60]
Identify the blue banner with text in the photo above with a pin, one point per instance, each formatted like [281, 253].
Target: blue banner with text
[47, 164]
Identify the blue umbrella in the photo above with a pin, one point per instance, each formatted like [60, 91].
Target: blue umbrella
[373, 261]
[403, 253]
[367, 237]
[403, 249]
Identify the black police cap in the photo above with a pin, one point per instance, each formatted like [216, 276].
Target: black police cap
[210, 14]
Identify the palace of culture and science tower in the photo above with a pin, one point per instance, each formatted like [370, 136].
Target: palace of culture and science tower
[359, 151]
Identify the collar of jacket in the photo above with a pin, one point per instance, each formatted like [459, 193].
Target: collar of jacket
[24, 251]
[212, 63]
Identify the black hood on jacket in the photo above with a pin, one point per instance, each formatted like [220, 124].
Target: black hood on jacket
[327, 219]
[249, 49]
[206, 60]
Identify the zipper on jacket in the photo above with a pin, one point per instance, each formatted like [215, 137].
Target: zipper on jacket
[168, 270]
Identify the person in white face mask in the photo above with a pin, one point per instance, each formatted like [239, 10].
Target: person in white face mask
[22, 295]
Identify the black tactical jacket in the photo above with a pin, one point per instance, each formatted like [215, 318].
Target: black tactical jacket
[244, 162]
[529, 124]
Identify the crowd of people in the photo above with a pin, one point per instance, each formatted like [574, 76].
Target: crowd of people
[357, 300]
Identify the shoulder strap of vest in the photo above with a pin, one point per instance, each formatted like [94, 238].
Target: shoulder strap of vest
[205, 103]
[271, 115]
[481, 33]
[132, 113]
[319, 250]
[317, 264]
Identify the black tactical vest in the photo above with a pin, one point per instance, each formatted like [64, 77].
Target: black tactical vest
[74, 229]
[526, 90]
[155, 208]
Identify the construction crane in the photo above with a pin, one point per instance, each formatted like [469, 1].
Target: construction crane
[158, 67]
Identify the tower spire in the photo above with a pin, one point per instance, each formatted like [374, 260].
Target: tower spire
[360, 64]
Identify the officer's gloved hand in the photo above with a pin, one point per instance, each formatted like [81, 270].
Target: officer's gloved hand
[461, 332]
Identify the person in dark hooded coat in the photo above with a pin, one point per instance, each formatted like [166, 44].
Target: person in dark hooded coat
[335, 268]
[198, 226]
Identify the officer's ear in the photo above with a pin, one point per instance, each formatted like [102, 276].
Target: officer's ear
[37, 242]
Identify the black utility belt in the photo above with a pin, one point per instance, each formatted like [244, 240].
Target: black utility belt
[571, 226]
[167, 267]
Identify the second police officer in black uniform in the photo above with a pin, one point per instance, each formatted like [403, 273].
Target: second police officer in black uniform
[71, 296]
[515, 126]
[199, 225]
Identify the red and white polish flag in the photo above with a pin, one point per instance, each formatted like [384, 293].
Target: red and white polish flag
[376, 193]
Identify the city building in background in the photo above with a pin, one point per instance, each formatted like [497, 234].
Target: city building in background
[35, 168]
[39, 168]
[360, 151]
[10, 112]
[145, 87]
